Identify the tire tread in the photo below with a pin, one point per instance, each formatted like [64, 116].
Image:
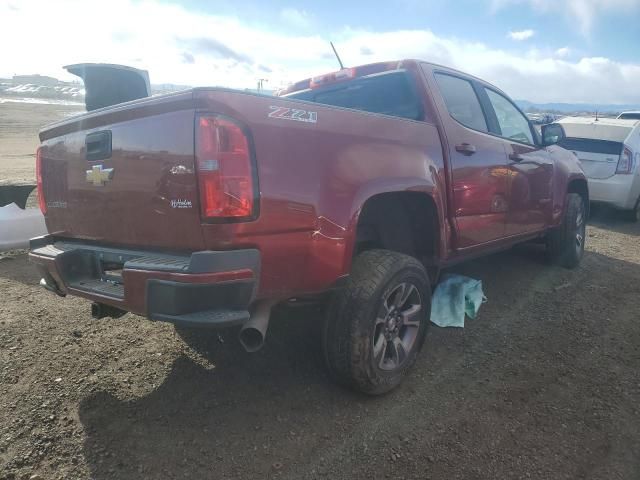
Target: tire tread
[345, 336]
[560, 240]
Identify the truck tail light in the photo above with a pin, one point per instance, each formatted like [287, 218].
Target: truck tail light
[625, 164]
[41, 201]
[224, 168]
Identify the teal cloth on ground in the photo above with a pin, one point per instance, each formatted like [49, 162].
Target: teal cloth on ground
[455, 297]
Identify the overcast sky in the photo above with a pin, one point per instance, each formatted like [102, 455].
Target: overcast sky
[539, 50]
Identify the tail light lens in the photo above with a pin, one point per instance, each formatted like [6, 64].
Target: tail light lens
[225, 174]
[625, 164]
[41, 201]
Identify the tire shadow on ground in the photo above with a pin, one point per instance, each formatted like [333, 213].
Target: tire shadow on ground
[222, 409]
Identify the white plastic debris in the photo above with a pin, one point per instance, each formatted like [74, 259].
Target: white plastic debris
[17, 226]
[455, 297]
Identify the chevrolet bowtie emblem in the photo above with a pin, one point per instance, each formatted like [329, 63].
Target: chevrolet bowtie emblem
[98, 176]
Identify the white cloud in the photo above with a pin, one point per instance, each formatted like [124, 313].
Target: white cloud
[582, 13]
[563, 52]
[179, 46]
[296, 18]
[521, 35]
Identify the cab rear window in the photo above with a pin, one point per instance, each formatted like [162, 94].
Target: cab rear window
[592, 145]
[389, 94]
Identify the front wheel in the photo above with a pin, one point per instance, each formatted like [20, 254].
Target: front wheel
[565, 243]
[377, 323]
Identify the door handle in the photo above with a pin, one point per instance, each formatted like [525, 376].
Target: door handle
[466, 149]
[516, 157]
[98, 145]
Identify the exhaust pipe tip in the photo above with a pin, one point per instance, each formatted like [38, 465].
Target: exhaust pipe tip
[254, 332]
[251, 339]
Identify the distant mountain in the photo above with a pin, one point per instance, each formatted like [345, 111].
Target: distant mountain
[574, 107]
[49, 88]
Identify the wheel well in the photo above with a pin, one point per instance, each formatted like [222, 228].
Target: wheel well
[405, 222]
[580, 187]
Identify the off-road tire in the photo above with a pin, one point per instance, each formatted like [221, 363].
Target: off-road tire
[350, 324]
[565, 244]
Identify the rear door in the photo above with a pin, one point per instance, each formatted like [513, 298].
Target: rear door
[477, 161]
[530, 165]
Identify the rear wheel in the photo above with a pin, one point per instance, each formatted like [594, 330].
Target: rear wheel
[376, 324]
[565, 243]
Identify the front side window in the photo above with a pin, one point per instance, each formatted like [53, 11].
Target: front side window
[513, 124]
[462, 101]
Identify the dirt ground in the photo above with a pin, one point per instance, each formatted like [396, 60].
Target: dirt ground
[544, 384]
[19, 125]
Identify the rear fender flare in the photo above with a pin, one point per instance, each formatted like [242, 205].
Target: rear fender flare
[391, 185]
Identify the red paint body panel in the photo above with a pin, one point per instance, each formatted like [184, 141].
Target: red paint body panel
[479, 182]
[152, 157]
[313, 177]
[530, 189]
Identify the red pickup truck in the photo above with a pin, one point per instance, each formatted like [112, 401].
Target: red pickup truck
[207, 207]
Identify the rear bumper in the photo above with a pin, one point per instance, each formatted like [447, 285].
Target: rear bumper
[207, 289]
[619, 191]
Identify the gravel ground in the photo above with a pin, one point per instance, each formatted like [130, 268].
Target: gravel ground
[544, 384]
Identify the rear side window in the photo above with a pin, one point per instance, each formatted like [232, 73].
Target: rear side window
[389, 94]
[606, 147]
[462, 101]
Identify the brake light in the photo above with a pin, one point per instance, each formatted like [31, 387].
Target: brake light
[223, 164]
[41, 201]
[625, 164]
[334, 77]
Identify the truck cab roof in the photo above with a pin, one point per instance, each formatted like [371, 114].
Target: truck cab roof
[359, 71]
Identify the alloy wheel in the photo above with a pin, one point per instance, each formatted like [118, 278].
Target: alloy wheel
[580, 231]
[396, 327]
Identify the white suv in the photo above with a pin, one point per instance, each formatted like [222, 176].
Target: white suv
[609, 150]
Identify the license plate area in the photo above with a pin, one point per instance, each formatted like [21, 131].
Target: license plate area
[94, 272]
[112, 272]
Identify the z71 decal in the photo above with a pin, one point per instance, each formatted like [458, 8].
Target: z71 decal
[293, 114]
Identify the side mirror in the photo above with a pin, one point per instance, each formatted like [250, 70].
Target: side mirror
[552, 134]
